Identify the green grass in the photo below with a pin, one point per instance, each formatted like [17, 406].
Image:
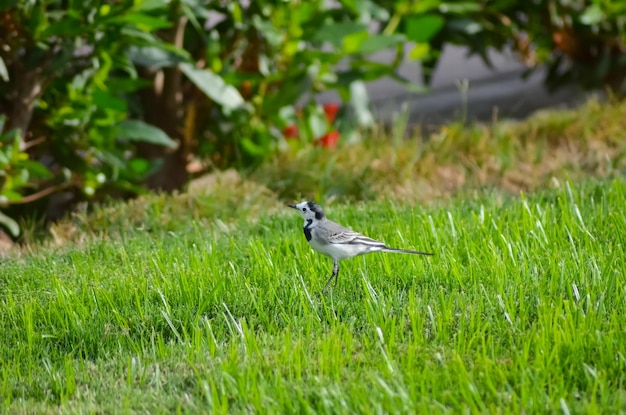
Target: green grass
[513, 156]
[521, 310]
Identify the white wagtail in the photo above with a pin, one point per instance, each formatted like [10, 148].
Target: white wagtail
[339, 243]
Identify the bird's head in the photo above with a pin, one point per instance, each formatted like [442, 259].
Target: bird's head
[309, 210]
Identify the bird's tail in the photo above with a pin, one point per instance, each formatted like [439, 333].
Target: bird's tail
[404, 251]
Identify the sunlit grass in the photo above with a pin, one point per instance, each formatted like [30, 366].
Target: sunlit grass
[521, 310]
[511, 156]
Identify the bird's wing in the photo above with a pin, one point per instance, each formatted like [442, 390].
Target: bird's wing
[337, 234]
[342, 237]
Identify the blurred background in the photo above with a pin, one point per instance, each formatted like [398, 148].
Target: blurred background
[465, 85]
[103, 100]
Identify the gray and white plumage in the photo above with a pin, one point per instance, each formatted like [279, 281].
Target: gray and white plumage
[336, 241]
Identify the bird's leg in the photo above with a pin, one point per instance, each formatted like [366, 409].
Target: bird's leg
[334, 275]
[336, 272]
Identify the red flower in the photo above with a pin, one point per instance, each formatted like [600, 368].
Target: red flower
[328, 140]
[331, 110]
[290, 131]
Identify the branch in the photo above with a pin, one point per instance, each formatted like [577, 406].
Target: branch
[40, 194]
[28, 144]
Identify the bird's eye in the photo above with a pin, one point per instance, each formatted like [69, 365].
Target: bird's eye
[304, 209]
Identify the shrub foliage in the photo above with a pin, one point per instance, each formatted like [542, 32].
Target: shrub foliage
[108, 98]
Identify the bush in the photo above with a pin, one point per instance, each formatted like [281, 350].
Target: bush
[580, 42]
[103, 98]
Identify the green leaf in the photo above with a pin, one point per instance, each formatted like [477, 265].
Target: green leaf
[345, 78]
[235, 11]
[287, 114]
[460, 8]
[135, 130]
[10, 225]
[270, 32]
[376, 43]
[141, 38]
[352, 42]
[366, 10]
[145, 5]
[251, 147]
[214, 87]
[335, 32]
[69, 26]
[142, 21]
[36, 169]
[154, 57]
[37, 21]
[422, 28]
[139, 166]
[592, 15]
[104, 100]
[112, 159]
[371, 70]
[424, 6]
[20, 178]
[303, 12]
[317, 123]
[374, 10]
[360, 103]
[16, 146]
[419, 51]
[467, 26]
[10, 195]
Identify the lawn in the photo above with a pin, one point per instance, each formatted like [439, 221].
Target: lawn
[521, 310]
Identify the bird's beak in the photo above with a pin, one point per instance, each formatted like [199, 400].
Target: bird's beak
[291, 206]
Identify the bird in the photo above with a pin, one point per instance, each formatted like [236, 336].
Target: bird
[336, 241]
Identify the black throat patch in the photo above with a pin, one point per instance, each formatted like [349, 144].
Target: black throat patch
[307, 229]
